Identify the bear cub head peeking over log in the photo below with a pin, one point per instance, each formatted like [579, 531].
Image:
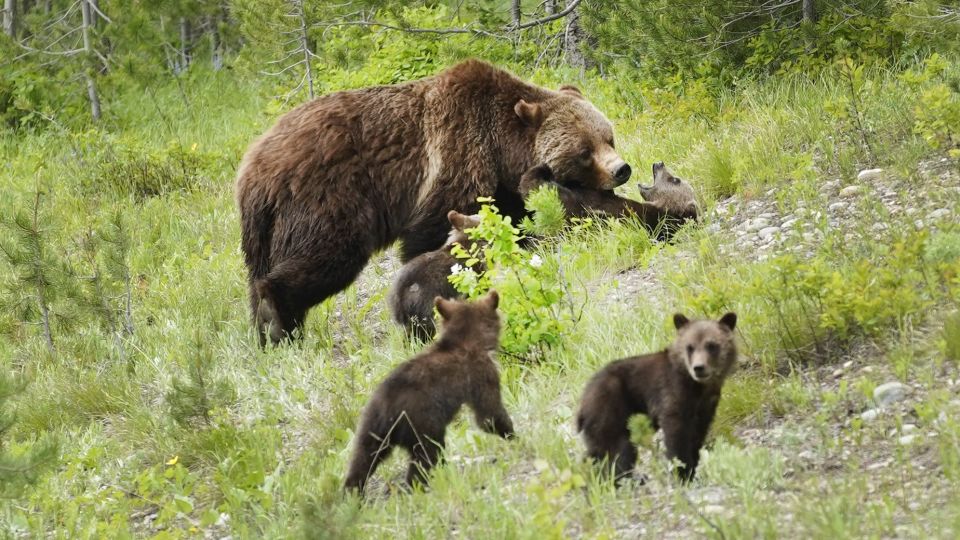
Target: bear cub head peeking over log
[413, 406]
[678, 388]
[425, 277]
[668, 202]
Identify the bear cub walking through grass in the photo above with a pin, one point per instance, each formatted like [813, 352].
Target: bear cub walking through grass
[425, 277]
[413, 406]
[677, 388]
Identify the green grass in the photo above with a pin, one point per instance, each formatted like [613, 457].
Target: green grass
[268, 458]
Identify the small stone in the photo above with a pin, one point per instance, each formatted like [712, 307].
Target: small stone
[848, 364]
[713, 509]
[918, 223]
[888, 393]
[907, 428]
[755, 225]
[789, 223]
[767, 233]
[869, 175]
[767, 215]
[837, 206]
[837, 373]
[869, 415]
[849, 191]
[938, 214]
[906, 439]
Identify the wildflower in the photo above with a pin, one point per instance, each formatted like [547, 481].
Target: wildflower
[456, 269]
[536, 261]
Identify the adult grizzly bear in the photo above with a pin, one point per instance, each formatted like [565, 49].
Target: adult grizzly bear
[343, 176]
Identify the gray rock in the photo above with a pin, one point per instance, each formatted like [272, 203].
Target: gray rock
[889, 393]
[755, 225]
[907, 439]
[767, 233]
[869, 175]
[837, 206]
[938, 214]
[870, 415]
[849, 191]
[789, 223]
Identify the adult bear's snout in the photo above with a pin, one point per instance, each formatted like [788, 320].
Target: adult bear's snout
[622, 173]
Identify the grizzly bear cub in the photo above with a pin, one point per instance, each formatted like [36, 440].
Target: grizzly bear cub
[413, 405]
[668, 203]
[425, 277]
[677, 388]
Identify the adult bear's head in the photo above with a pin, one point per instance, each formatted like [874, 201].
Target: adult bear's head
[575, 140]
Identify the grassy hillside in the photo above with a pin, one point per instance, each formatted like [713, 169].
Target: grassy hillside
[171, 423]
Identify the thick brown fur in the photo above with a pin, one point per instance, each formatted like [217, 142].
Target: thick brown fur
[345, 175]
[413, 406]
[425, 277]
[668, 202]
[677, 388]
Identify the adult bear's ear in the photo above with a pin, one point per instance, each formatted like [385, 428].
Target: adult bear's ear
[530, 113]
[571, 91]
[679, 321]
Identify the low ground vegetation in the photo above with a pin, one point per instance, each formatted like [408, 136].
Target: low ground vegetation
[143, 406]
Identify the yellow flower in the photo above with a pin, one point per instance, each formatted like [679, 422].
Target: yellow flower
[173, 460]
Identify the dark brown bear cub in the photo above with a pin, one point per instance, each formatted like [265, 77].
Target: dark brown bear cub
[413, 405]
[668, 202]
[677, 388]
[424, 278]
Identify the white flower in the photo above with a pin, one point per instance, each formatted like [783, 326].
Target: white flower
[536, 261]
[456, 269]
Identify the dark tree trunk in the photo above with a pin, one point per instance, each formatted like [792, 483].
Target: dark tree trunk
[573, 42]
[185, 38]
[10, 18]
[809, 11]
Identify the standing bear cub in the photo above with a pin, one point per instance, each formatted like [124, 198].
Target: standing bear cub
[425, 277]
[343, 176]
[413, 405]
[677, 388]
[668, 202]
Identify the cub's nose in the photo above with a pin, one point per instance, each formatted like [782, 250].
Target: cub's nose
[622, 173]
[700, 371]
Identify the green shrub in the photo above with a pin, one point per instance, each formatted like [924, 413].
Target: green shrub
[536, 310]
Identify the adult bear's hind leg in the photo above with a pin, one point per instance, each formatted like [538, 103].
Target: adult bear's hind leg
[303, 280]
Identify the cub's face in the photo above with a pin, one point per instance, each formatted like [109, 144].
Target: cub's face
[705, 348]
[670, 192]
[575, 140]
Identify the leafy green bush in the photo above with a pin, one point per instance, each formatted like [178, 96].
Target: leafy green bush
[534, 306]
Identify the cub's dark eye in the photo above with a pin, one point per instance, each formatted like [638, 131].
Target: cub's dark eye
[610, 142]
[689, 349]
[713, 348]
[586, 154]
[674, 179]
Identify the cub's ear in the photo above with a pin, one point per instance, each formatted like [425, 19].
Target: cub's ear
[679, 321]
[456, 219]
[729, 320]
[492, 300]
[444, 306]
[530, 113]
[570, 90]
